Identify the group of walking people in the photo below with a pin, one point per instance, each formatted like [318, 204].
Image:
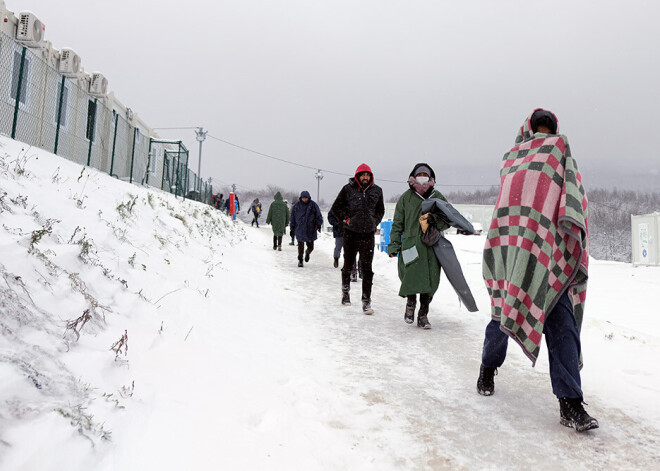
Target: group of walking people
[535, 259]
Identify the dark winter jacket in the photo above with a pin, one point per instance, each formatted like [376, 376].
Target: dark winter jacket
[419, 270]
[237, 204]
[306, 219]
[336, 225]
[278, 215]
[360, 209]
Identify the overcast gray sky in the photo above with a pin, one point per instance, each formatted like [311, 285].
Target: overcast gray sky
[331, 84]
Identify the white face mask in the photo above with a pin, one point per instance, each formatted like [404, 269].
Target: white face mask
[422, 180]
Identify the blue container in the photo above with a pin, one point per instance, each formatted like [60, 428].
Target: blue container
[385, 230]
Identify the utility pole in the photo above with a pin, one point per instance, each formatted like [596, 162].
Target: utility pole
[319, 177]
[201, 135]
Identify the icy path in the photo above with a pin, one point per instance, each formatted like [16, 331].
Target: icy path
[316, 385]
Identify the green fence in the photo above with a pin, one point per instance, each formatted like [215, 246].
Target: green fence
[45, 109]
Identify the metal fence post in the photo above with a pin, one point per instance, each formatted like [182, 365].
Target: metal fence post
[186, 183]
[165, 165]
[177, 179]
[91, 135]
[148, 161]
[18, 93]
[114, 143]
[133, 154]
[59, 115]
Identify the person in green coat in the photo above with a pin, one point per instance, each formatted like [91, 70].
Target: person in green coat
[419, 270]
[278, 217]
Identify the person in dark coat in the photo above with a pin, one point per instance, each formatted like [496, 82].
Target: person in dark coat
[419, 269]
[360, 206]
[338, 234]
[237, 204]
[278, 217]
[306, 221]
[218, 201]
[255, 207]
[293, 236]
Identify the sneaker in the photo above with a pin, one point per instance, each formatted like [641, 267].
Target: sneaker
[345, 298]
[366, 307]
[409, 316]
[335, 263]
[572, 414]
[423, 322]
[486, 381]
[307, 256]
[300, 263]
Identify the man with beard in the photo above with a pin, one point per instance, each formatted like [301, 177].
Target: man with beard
[359, 205]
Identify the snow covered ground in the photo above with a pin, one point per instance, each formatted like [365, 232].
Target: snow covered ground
[142, 332]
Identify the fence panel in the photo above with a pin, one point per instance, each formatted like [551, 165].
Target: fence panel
[42, 108]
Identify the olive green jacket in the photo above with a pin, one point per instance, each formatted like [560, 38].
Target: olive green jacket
[419, 270]
[278, 215]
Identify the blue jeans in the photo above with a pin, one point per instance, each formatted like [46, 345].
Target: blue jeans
[562, 339]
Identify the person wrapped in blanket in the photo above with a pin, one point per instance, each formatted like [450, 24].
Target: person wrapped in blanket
[535, 263]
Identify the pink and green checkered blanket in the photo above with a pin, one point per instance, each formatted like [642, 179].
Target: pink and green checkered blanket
[537, 244]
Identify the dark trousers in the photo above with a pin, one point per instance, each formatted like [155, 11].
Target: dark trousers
[301, 248]
[424, 299]
[339, 243]
[356, 243]
[277, 241]
[562, 339]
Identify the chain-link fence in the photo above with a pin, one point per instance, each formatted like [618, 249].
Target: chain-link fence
[43, 108]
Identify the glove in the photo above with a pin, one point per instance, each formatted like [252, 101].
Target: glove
[318, 228]
[463, 232]
[392, 255]
[347, 221]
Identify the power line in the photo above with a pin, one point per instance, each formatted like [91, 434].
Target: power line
[323, 169]
[174, 128]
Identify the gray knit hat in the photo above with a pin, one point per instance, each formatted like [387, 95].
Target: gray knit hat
[423, 169]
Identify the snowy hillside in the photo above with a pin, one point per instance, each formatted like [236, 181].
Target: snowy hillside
[142, 332]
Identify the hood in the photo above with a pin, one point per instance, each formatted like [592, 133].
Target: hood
[305, 194]
[525, 132]
[412, 174]
[361, 169]
[278, 196]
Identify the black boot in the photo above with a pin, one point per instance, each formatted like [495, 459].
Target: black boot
[572, 414]
[423, 322]
[345, 296]
[422, 315]
[366, 305]
[306, 256]
[409, 316]
[486, 381]
[300, 263]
